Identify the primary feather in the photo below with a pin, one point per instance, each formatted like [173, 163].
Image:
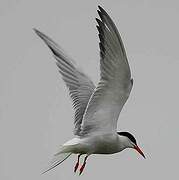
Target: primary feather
[115, 84]
[80, 86]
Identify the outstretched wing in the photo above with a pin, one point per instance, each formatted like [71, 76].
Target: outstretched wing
[79, 85]
[115, 84]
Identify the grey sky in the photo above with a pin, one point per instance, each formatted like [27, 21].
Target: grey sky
[35, 110]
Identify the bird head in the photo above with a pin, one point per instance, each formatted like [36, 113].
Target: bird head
[130, 142]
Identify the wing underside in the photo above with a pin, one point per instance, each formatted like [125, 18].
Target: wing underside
[115, 84]
[79, 84]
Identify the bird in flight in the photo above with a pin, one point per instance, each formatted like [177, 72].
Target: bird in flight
[97, 108]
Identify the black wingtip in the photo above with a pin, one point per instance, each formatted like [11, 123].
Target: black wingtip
[98, 28]
[40, 34]
[98, 21]
[100, 7]
[102, 11]
[99, 12]
[36, 31]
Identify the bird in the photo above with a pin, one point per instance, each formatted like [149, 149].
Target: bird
[97, 107]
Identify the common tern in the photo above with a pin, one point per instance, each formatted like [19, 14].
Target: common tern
[97, 108]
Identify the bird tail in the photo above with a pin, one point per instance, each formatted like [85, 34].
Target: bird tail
[57, 159]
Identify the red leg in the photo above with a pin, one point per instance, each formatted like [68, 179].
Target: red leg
[83, 166]
[77, 164]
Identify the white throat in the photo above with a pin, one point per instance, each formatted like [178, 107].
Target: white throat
[124, 142]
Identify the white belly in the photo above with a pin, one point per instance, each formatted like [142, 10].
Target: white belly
[101, 144]
[105, 144]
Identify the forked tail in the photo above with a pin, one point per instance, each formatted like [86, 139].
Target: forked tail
[58, 159]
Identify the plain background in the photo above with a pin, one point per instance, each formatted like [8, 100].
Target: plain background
[35, 110]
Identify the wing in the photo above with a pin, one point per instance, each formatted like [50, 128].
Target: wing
[79, 85]
[115, 84]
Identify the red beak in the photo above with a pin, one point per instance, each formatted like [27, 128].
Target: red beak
[139, 150]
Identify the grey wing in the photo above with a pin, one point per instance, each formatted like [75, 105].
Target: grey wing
[115, 84]
[79, 85]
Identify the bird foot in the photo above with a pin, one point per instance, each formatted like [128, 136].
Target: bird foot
[82, 168]
[76, 167]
